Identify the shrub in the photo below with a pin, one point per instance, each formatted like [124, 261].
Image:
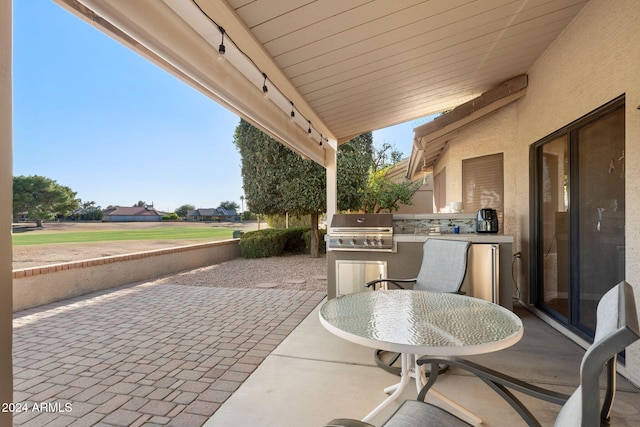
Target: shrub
[248, 216]
[262, 243]
[171, 217]
[322, 247]
[295, 240]
[277, 241]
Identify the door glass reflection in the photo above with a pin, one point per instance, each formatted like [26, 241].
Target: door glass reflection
[601, 212]
[555, 230]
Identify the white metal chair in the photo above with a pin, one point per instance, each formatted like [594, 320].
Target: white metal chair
[616, 328]
[443, 268]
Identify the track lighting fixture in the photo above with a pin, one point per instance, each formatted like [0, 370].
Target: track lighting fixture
[265, 89]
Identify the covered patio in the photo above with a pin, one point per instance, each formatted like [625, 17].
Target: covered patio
[159, 353]
[314, 74]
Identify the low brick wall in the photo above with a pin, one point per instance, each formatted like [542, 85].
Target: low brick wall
[42, 285]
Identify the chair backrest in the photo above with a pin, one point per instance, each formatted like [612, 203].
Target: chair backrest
[444, 265]
[616, 328]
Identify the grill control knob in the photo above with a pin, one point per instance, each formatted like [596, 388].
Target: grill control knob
[352, 242]
[366, 242]
[339, 241]
[381, 242]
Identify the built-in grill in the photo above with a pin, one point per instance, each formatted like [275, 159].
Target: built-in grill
[361, 232]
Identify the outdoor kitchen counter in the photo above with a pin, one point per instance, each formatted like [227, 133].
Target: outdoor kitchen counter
[404, 262]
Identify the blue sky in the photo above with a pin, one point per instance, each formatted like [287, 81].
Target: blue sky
[98, 118]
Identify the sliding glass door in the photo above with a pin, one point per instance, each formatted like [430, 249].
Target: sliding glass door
[554, 233]
[579, 216]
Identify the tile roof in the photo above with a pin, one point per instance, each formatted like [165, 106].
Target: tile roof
[131, 211]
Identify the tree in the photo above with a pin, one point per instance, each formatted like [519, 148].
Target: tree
[42, 198]
[278, 181]
[386, 156]
[182, 210]
[382, 193]
[354, 160]
[140, 204]
[89, 212]
[229, 205]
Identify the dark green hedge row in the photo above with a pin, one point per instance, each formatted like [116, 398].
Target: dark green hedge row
[277, 241]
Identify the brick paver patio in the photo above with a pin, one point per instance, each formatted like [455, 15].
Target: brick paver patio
[150, 354]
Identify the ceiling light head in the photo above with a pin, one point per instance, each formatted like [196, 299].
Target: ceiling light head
[265, 89]
[221, 49]
[293, 112]
[309, 131]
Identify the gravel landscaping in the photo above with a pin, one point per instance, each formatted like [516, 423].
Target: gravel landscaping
[295, 272]
[287, 272]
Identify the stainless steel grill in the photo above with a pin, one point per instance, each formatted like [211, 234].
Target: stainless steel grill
[361, 232]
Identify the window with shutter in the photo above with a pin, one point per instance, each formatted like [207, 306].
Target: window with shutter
[483, 184]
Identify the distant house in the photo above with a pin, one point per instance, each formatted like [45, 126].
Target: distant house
[21, 217]
[131, 214]
[208, 214]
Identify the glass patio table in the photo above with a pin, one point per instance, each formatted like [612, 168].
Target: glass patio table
[421, 323]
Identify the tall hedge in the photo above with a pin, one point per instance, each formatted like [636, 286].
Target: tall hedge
[277, 242]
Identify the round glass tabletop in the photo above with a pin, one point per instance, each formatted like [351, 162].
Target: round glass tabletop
[421, 322]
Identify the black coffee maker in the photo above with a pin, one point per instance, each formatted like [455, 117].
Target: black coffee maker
[487, 221]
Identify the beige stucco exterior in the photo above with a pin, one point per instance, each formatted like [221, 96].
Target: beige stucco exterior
[42, 285]
[493, 134]
[6, 187]
[594, 61]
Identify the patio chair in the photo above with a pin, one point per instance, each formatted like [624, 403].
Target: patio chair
[443, 268]
[617, 328]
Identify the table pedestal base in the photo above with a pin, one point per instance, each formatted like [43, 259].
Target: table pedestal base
[408, 373]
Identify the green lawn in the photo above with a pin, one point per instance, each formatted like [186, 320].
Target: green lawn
[168, 233]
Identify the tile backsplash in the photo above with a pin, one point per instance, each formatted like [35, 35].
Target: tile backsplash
[434, 224]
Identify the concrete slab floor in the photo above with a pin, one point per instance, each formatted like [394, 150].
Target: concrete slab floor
[314, 376]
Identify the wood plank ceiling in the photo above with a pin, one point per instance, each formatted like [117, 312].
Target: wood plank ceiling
[350, 66]
[363, 65]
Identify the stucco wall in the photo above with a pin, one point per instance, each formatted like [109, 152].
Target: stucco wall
[6, 377]
[595, 60]
[36, 286]
[493, 134]
[422, 202]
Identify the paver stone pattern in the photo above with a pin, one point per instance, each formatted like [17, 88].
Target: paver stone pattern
[147, 354]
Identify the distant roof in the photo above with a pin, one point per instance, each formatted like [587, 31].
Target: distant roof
[212, 212]
[207, 212]
[131, 211]
[227, 212]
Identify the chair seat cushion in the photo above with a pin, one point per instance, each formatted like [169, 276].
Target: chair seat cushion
[416, 413]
